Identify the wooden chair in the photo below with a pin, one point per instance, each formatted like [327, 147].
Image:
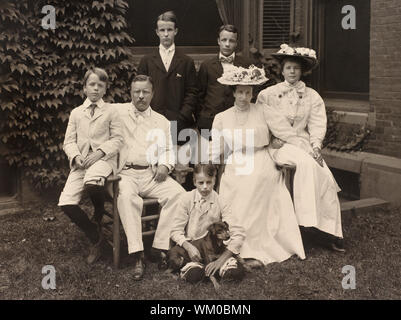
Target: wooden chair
[112, 226]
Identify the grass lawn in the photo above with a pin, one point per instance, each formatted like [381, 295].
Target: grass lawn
[28, 242]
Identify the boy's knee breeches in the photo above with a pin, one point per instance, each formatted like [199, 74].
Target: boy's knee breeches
[74, 187]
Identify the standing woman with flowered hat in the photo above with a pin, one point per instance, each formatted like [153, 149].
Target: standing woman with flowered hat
[296, 116]
[251, 183]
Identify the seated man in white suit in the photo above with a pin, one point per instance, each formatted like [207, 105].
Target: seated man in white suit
[145, 162]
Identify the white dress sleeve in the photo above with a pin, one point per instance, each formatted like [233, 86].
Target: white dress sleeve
[317, 122]
[216, 146]
[276, 120]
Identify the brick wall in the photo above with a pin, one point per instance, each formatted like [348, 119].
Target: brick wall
[385, 77]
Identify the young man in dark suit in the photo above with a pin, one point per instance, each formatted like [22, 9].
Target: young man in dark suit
[213, 96]
[174, 76]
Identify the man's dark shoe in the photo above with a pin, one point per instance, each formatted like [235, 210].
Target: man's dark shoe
[156, 255]
[139, 268]
[337, 245]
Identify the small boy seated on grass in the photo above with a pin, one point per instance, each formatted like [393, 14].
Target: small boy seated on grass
[93, 138]
[197, 210]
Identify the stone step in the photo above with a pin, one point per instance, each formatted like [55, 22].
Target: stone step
[9, 211]
[10, 206]
[364, 205]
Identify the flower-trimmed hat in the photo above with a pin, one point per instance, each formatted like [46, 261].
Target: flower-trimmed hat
[251, 76]
[306, 55]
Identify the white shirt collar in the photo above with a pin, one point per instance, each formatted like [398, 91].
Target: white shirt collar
[170, 49]
[145, 113]
[100, 103]
[209, 198]
[222, 55]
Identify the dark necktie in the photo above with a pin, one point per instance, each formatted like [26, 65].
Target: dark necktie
[92, 108]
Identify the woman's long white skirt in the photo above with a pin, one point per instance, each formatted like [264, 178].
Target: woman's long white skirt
[261, 202]
[315, 190]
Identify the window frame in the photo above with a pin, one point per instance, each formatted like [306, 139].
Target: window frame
[292, 28]
[318, 22]
[141, 50]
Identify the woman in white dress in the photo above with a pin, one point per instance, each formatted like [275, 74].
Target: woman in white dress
[296, 115]
[251, 183]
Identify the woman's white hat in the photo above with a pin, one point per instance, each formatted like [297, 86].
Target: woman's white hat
[234, 76]
[308, 56]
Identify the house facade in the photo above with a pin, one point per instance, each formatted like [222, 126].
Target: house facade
[359, 73]
[356, 42]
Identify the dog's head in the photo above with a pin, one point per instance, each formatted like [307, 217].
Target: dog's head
[175, 257]
[176, 264]
[219, 230]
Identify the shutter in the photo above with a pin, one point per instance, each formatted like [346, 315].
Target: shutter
[276, 23]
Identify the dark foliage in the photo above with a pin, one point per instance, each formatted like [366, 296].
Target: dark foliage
[344, 137]
[41, 74]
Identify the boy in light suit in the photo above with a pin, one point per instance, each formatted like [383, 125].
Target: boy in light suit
[93, 138]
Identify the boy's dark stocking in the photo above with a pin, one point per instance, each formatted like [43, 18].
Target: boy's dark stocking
[79, 217]
[97, 196]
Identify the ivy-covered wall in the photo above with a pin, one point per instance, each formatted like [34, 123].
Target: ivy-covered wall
[41, 74]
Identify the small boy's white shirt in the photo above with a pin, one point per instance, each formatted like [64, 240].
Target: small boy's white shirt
[200, 218]
[199, 197]
[191, 224]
